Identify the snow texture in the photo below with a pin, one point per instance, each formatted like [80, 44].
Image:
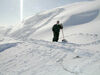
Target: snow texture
[26, 49]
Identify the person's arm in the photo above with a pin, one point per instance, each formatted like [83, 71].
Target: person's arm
[61, 26]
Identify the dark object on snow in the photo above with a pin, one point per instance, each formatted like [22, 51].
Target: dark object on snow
[77, 57]
[64, 41]
[56, 29]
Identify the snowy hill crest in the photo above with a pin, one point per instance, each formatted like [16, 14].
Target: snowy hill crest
[70, 15]
[28, 50]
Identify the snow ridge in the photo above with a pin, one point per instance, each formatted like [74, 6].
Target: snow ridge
[40, 57]
[27, 50]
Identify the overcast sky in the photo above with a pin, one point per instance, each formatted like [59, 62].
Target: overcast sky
[10, 9]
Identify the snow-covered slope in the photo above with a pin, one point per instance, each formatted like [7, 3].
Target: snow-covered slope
[36, 57]
[28, 56]
[81, 16]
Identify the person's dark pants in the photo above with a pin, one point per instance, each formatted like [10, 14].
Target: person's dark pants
[56, 36]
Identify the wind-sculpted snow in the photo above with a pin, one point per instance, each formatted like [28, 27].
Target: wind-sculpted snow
[37, 57]
[22, 54]
[76, 14]
[82, 18]
[6, 46]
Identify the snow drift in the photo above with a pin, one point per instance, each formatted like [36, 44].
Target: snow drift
[28, 56]
[79, 15]
[36, 57]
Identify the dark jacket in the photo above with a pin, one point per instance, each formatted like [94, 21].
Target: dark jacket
[56, 28]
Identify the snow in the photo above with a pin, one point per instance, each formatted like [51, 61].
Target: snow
[26, 49]
[70, 16]
[6, 46]
[37, 57]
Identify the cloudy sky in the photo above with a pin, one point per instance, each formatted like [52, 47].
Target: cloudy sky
[10, 9]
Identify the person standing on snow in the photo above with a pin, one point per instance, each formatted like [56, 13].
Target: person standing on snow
[56, 29]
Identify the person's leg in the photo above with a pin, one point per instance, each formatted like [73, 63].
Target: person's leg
[57, 37]
[54, 37]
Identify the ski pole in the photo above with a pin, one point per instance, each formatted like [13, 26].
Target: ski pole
[63, 33]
